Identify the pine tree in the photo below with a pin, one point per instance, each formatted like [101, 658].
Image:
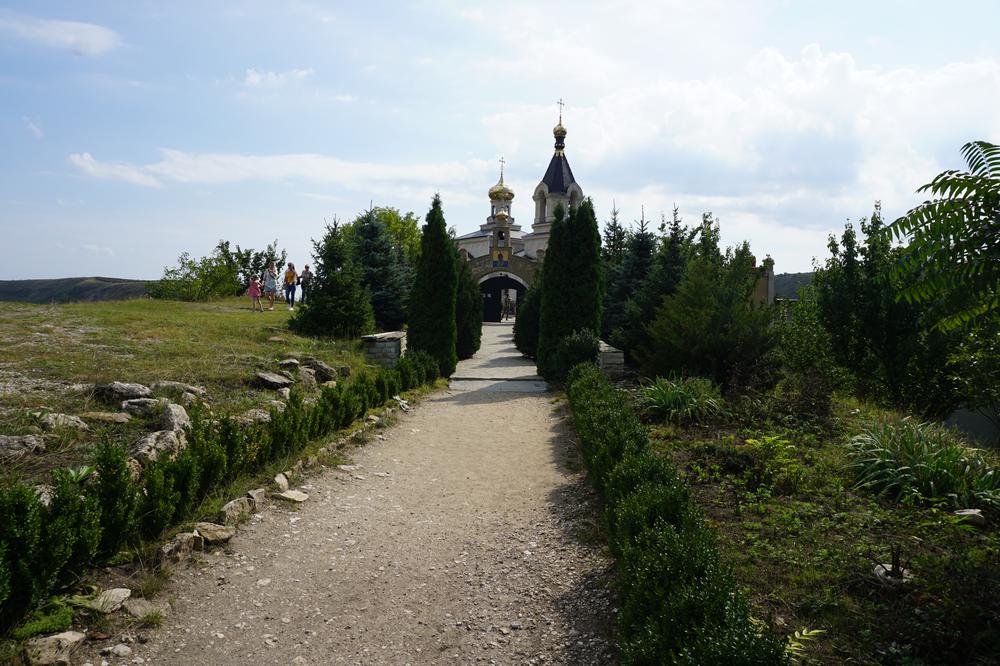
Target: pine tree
[339, 304]
[432, 300]
[615, 241]
[468, 312]
[383, 271]
[572, 287]
[626, 278]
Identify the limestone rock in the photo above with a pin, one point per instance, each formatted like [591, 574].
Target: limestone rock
[277, 405]
[214, 534]
[230, 513]
[121, 650]
[118, 391]
[181, 547]
[330, 384]
[15, 446]
[324, 372]
[188, 399]
[156, 444]
[254, 416]
[107, 417]
[55, 650]
[111, 600]
[257, 496]
[307, 377]
[175, 418]
[140, 608]
[285, 393]
[288, 363]
[54, 421]
[272, 380]
[179, 388]
[972, 517]
[140, 406]
[281, 481]
[294, 496]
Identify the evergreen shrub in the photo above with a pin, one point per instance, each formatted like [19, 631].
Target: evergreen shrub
[74, 518]
[468, 312]
[577, 347]
[158, 500]
[21, 532]
[116, 495]
[407, 373]
[526, 321]
[427, 364]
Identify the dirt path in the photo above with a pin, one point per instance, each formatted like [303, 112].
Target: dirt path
[466, 536]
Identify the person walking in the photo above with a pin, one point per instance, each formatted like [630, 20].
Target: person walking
[305, 278]
[271, 284]
[254, 293]
[291, 279]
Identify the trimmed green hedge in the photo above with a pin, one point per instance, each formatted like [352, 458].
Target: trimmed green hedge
[679, 602]
[90, 519]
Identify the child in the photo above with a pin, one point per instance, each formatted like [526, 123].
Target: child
[254, 293]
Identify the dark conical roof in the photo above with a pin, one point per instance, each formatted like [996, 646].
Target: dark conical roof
[558, 177]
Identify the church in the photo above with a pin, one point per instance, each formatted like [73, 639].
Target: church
[502, 257]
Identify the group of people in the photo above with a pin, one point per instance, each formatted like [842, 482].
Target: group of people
[267, 286]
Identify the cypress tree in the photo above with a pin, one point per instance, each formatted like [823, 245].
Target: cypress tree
[572, 288]
[432, 300]
[526, 323]
[339, 304]
[468, 312]
[383, 271]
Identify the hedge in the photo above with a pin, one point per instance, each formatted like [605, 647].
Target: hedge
[93, 516]
[679, 602]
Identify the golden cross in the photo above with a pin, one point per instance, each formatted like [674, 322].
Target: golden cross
[502, 162]
[561, 105]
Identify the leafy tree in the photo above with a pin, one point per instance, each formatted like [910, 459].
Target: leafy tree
[339, 304]
[250, 262]
[625, 278]
[432, 300]
[809, 373]
[384, 271]
[953, 258]
[572, 285]
[616, 238]
[225, 272]
[468, 312]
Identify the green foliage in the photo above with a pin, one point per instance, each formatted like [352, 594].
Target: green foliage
[953, 255]
[158, 500]
[22, 540]
[809, 373]
[365, 389]
[711, 327]
[339, 305]
[575, 348]
[527, 321]
[45, 621]
[427, 364]
[572, 282]
[432, 302]
[387, 384]
[468, 312]
[616, 237]
[384, 271]
[225, 272]
[73, 524]
[915, 462]
[116, 495]
[683, 401]
[403, 230]
[625, 278]
[407, 373]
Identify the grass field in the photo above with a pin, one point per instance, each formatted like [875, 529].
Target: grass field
[53, 352]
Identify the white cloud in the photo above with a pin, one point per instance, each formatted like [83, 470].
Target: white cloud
[81, 38]
[112, 170]
[266, 79]
[32, 127]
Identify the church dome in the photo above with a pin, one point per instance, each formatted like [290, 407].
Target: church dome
[559, 131]
[500, 191]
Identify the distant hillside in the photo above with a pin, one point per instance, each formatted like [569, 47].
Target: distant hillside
[786, 285]
[68, 290]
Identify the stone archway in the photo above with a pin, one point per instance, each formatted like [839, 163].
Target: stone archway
[494, 287]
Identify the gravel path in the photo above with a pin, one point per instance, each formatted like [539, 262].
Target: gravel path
[466, 535]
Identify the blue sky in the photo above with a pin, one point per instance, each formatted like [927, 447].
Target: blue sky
[134, 131]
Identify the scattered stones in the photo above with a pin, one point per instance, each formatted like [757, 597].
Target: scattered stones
[372, 418]
[117, 391]
[55, 421]
[254, 416]
[188, 399]
[111, 600]
[272, 380]
[179, 388]
[294, 496]
[175, 418]
[257, 496]
[972, 517]
[230, 513]
[140, 608]
[277, 405]
[181, 547]
[288, 363]
[55, 650]
[156, 444]
[324, 372]
[281, 481]
[140, 406]
[214, 534]
[307, 377]
[15, 446]
[107, 417]
[120, 650]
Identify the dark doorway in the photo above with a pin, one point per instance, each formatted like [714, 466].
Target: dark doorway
[494, 291]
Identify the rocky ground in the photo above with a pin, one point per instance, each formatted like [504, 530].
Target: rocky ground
[464, 534]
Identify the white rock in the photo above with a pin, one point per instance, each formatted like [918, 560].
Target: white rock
[296, 496]
[231, 511]
[55, 650]
[55, 421]
[215, 534]
[15, 446]
[281, 481]
[175, 418]
[181, 547]
[155, 444]
[111, 600]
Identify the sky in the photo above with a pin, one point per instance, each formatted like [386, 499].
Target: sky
[131, 132]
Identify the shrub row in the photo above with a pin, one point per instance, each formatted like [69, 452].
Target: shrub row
[679, 602]
[91, 516]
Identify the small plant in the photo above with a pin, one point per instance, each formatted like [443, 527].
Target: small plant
[914, 462]
[796, 648]
[151, 620]
[682, 401]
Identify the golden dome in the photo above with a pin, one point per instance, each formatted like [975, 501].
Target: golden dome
[500, 191]
[502, 217]
[559, 131]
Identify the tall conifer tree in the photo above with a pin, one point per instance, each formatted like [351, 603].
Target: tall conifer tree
[383, 269]
[468, 312]
[432, 299]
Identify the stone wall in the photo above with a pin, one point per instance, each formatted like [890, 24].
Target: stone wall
[384, 348]
[611, 360]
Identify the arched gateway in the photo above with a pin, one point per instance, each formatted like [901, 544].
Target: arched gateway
[503, 259]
